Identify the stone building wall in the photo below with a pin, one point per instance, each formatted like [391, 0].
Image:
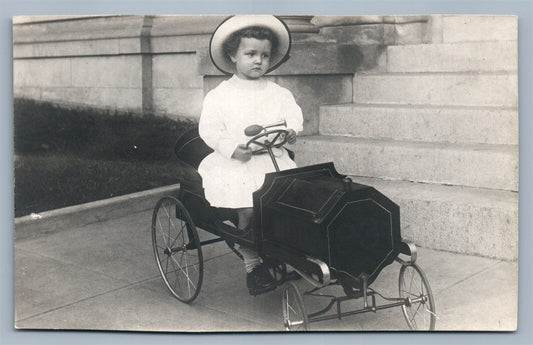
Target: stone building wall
[423, 108]
[160, 64]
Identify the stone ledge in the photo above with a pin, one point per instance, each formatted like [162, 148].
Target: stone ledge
[469, 165]
[463, 220]
[325, 21]
[488, 56]
[439, 89]
[92, 212]
[79, 29]
[306, 58]
[422, 123]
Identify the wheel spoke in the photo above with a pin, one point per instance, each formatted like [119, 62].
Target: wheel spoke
[181, 269]
[162, 232]
[411, 294]
[419, 307]
[166, 266]
[416, 311]
[412, 278]
[169, 217]
[177, 249]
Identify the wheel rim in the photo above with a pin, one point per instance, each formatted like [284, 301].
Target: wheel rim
[294, 311]
[419, 307]
[177, 249]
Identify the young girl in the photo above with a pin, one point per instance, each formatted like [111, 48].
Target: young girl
[247, 47]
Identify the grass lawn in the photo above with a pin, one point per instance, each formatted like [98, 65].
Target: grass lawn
[66, 157]
[53, 181]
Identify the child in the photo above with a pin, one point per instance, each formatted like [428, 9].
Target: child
[247, 47]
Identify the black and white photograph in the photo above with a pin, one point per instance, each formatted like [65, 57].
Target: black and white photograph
[266, 173]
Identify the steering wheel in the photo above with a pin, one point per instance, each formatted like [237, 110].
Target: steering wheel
[268, 145]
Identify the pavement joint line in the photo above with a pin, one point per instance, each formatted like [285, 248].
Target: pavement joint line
[471, 276]
[73, 303]
[128, 284]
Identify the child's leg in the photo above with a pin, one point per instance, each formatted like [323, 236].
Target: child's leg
[251, 258]
[245, 217]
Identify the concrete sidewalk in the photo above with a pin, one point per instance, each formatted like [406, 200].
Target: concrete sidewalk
[103, 276]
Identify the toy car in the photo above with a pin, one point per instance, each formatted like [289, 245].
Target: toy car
[326, 228]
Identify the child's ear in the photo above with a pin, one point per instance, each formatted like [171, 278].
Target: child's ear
[232, 57]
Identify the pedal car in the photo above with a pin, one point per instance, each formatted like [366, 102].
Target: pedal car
[310, 220]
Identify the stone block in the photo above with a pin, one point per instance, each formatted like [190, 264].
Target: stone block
[76, 48]
[310, 92]
[369, 34]
[22, 50]
[107, 71]
[466, 89]
[463, 220]
[27, 92]
[326, 21]
[42, 72]
[129, 45]
[377, 33]
[410, 33]
[127, 99]
[173, 102]
[430, 124]
[75, 28]
[454, 57]
[112, 46]
[176, 71]
[186, 25]
[181, 44]
[306, 58]
[479, 166]
[479, 28]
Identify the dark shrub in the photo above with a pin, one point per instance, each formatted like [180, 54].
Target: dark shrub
[66, 157]
[91, 133]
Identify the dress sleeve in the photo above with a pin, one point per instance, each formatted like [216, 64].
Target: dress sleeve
[212, 128]
[292, 112]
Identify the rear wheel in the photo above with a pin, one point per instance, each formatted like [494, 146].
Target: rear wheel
[419, 307]
[177, 249]
[294, 311]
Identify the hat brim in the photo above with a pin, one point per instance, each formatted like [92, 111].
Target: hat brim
[235, 23]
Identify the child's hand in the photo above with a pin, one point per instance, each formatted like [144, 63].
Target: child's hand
[291, 137]
[242, 153]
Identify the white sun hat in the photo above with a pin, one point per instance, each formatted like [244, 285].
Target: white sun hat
[235, 23]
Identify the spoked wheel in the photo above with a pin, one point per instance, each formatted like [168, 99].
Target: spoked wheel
[177, 249]
[419, 307]
[294, 311]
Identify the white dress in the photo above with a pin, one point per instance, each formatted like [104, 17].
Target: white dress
[227, 110]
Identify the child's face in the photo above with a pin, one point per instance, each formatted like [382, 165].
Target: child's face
[252, 58]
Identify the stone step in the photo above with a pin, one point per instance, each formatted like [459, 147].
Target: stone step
[465, 220]
[480, 166]
[488, 56]
[448, 89]
[422, 123]
[460, 28]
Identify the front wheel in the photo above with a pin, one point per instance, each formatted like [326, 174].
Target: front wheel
[177, 249]
[419, 307]
[294, 311]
